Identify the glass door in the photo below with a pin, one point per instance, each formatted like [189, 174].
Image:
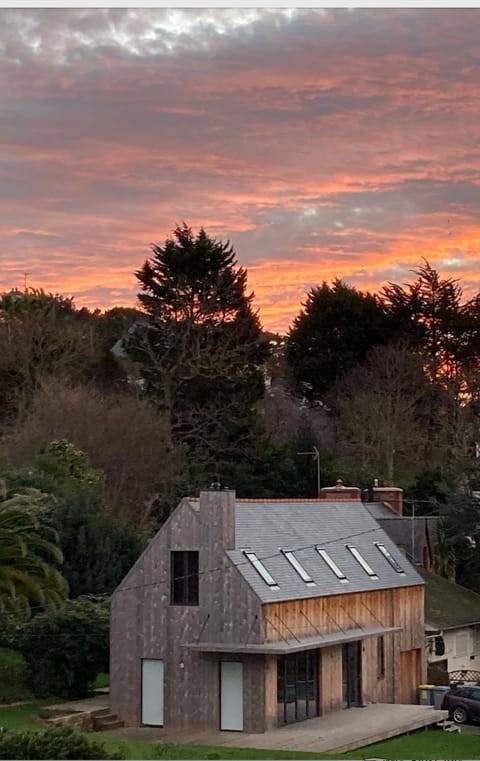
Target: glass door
[351, 673]
[297, 686]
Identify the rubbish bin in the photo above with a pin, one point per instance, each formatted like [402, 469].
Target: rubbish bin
[438, 693]
[425, 694]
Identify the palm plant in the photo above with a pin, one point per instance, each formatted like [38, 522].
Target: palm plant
[29, 552]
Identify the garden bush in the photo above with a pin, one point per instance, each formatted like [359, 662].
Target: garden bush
[52, 743]
[65, 649]
[13, 677]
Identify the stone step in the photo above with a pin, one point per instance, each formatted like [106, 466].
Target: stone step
[106, 722]
[101, 712]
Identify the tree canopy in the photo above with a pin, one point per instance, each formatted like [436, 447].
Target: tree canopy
[336, 328]
[201, 350]
[29, 551]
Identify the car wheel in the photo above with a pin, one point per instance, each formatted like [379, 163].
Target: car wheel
[459, 715]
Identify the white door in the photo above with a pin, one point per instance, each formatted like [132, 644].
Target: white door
[152, 692]
[231, 695]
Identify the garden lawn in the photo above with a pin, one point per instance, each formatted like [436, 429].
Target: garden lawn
[13, 684]
[423, 744]
[428, 744]
[19, 718]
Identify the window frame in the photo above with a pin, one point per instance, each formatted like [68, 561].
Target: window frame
[329, 561]
[263, 572]
[298, 567]
[389, 558]
[355, 552]
[190, 586]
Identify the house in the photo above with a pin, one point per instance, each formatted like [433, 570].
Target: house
[250, 614]
[452, 623]
[415, 536]
[452, 612]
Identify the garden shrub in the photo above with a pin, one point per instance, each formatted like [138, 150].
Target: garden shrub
[52, 743]
[66, 648]
[13, 677]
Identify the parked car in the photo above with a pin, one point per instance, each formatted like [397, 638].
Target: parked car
[462, 703]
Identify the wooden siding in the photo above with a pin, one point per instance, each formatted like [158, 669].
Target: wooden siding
[401, 607]
[410, 676]
[145, 625]
[330, 679]
[270, 692]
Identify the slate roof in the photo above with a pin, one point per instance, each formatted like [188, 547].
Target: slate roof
[266, 526]
[399, 528]
[448, 605]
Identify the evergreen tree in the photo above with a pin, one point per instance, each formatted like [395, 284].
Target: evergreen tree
[334, 331]
[200, 351]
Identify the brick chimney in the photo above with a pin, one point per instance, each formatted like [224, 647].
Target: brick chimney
[391, 495]
[340, 493]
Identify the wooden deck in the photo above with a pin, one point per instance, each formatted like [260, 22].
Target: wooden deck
[334, 733]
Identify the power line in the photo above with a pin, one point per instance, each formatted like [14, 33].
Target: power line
[165, 579]
[247, 562]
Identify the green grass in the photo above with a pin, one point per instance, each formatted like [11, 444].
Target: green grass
[13, 683]
[422, 744]
[9, 657]
[18, 718]
[138, 749]
[101, 681]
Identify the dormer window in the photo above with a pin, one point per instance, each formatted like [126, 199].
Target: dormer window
[298, 567]
[331, 564]
[386, 554]
[361, 561]
[260, 569]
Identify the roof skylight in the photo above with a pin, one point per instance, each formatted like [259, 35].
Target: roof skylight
[386, 554]
[361, 560]
[331, 563]
[260, 569]
[298, 567]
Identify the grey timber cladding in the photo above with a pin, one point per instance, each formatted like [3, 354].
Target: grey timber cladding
[145, 625]
[265, 527]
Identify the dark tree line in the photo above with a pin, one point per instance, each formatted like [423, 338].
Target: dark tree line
[188, 389]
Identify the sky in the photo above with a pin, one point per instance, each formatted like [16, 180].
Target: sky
[321, 143]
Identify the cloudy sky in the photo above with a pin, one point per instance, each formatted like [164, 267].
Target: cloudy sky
[336, 143]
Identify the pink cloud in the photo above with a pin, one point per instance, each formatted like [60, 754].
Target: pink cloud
[342, 143]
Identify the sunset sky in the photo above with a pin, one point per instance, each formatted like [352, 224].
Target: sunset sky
[335, 143]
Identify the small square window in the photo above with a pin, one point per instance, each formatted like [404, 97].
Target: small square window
[184, 577]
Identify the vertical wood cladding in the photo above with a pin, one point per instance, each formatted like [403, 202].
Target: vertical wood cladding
[330, 679]
[401, 607]
[145, 625]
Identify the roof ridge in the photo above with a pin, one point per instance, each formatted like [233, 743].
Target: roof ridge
[304, 500]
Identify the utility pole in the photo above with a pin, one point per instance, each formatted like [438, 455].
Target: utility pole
[316, 458]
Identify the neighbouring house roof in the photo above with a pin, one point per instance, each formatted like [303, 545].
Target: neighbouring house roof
[295, 645]
[269, 526]
[399, 529]
[448, 605]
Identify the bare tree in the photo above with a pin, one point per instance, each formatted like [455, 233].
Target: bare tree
[378, 409]
[123, 435]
